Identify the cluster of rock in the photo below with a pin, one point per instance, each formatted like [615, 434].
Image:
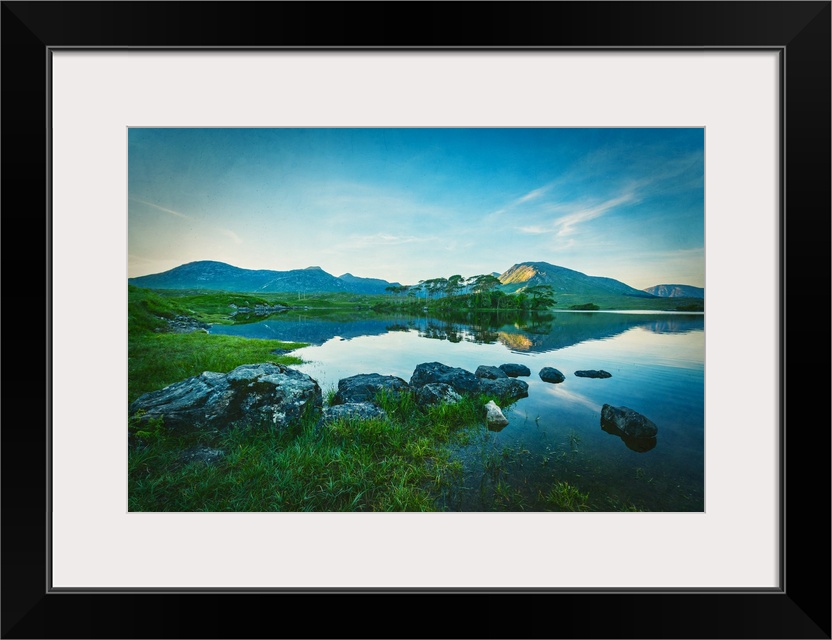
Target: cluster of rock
[185, 324]
[278, 397]
[431, 383]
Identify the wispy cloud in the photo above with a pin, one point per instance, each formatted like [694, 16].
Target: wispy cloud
[381, 239]
[568, 224]
[170, 211]
[534, 194]
[228, 233]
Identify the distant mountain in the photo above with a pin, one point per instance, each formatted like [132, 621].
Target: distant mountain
[207, 274]
[366, 285]
[565, 281]
[676, 291]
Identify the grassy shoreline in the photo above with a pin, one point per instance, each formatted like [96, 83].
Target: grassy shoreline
[406, 461]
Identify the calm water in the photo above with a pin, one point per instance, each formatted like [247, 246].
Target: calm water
[657, 366]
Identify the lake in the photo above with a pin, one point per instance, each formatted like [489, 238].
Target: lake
[657, 366]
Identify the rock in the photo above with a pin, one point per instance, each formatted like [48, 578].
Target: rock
[351, 411]
[628, 422]
[494, 418]
[548, 374]
[592, 373]
[253, 394]
[186, 324]
[365, 386]
[461, 380]
[437, 393]
[639, 445]
[490, 373]
[258, 310]
[514, 370]
[507, 389]
[201, 453]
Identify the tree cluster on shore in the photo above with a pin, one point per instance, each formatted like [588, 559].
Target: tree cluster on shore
[477, 292]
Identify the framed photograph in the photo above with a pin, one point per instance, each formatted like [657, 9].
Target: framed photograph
[173, 144]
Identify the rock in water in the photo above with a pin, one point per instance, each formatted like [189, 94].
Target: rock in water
[490, 373]
[506, 389]
[592, 373]
[253, 394]
[461, 380]
[514, 370]
[628, 421]
[549, 374]
[494, 418]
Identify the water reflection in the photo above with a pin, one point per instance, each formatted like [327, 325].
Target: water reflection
[657, 366]
[522, 332]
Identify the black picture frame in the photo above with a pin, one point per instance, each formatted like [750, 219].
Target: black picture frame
[800, 31]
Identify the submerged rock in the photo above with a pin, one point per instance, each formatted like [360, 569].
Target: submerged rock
[437, 393]
[365, 386]
[461, 380]
[494, 417]
[490, 373]
[514, 370]
[629, 422]
[549, 374]
[592, 373]
[254, 394]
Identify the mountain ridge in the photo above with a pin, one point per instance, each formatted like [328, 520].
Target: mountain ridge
[567, 284]
[220, 276]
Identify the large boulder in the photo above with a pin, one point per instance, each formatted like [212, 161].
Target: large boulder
[461, 380]
[592, 373]
[437, 393]
[550, 374]
[490, 373]
[253, 394]
[514, 370]
[629, 422]
[507, 389]
[364, 387]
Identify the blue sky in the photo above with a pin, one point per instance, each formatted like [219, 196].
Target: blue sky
[411, 204]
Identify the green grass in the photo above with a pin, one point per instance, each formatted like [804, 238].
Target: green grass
[405, 462]
[566, 497]
[156, 358]
[400, 463]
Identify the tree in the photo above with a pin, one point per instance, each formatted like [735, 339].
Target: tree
[454, 285]
[542, 296]
[483, 284]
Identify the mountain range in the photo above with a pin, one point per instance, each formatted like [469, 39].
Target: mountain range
[207, 274]
[214, 275]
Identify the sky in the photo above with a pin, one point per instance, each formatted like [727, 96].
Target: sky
[412, 204]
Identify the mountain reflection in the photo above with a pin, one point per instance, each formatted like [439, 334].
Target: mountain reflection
[519, 332]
